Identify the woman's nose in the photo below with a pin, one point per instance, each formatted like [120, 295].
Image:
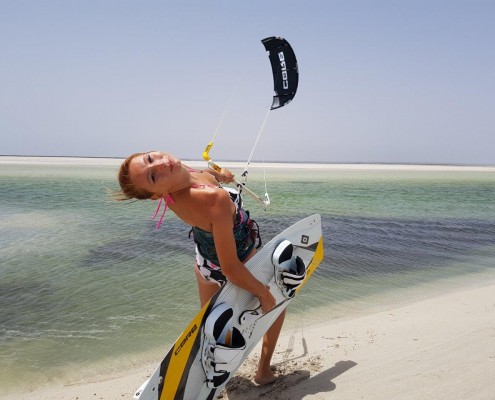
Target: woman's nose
[157, 164]
[160, 162]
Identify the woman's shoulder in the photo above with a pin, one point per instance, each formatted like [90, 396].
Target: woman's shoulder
[209, 196]
[220, 197]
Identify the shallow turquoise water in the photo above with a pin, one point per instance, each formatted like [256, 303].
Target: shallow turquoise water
[87, 281]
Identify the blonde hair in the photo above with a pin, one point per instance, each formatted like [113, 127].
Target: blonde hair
[127, 189]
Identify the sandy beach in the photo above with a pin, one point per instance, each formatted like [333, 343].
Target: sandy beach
[436, 348]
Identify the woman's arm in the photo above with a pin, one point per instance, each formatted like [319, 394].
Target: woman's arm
[222, 176]
[233, 269]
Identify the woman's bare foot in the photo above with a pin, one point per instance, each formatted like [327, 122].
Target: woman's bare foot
[265, 376]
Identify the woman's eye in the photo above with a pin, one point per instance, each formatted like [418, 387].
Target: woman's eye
[150, 160]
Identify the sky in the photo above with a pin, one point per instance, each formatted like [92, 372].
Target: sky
[379, 81]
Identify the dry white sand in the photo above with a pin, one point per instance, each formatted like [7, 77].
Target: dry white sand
[241, 165]
[439, 348]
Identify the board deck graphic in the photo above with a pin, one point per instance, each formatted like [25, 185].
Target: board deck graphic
[220, 337]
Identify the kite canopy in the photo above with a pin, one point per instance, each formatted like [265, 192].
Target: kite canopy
[284, 68]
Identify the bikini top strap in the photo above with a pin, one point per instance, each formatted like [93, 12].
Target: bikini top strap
[168, 200]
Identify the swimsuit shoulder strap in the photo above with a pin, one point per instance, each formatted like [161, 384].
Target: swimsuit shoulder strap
[168, 200]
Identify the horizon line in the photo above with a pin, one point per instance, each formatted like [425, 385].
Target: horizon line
[275, 161]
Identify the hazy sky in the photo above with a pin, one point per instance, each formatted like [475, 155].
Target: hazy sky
[380, 81]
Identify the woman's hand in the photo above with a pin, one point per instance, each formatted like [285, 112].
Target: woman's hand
[267, 300]
[233, 269]
[228, 177]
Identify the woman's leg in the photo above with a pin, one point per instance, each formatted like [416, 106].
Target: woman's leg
[264, 375]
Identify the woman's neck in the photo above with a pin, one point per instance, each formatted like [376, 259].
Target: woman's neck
[184, 183]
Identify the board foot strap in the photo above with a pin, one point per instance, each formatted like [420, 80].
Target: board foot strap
[290, 271]
[223, 346]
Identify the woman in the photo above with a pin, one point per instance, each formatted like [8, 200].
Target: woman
[197, 198]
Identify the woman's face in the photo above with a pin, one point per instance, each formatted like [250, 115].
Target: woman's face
[155, 172]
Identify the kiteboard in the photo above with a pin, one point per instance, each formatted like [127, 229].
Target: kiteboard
[216, 342]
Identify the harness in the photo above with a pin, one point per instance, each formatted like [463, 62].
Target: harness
[246, 235]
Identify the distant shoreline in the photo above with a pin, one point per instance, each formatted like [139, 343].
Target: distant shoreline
[79, 160]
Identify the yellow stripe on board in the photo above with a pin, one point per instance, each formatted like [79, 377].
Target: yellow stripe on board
[315, 261]
[180, 355]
